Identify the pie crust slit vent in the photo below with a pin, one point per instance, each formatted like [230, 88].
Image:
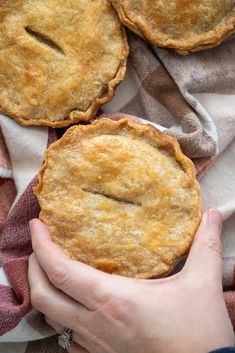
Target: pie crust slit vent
[43, 39]
[114, 198]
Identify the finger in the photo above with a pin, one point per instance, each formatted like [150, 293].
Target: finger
[85, 284]
[51, 302]
[205, 257]
[76, 348]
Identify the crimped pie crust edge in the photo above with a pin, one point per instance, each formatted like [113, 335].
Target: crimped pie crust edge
[182, 47]
[144, 132]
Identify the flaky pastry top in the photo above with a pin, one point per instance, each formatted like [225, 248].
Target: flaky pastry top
[60, 60]
[120, 196]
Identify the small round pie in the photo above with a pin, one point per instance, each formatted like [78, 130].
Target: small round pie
[60, 60]
[184, 25]
[120, 196]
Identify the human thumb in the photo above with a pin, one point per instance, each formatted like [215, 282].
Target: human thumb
[205, 258]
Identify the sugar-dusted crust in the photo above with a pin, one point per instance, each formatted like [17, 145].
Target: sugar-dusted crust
[183, 25]
[60, 60]
[120, 196]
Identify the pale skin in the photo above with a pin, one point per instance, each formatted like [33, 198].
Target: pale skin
[184, 313]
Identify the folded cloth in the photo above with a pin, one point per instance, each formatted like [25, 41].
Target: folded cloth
[192, 97]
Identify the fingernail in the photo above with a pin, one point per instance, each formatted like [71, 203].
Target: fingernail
[31, 224]
[214, 217]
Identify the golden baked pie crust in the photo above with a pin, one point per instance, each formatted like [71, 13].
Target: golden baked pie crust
[97, 188]
[40, 85]
[188, 41]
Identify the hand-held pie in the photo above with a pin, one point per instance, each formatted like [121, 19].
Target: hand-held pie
[184, 25]
[60, 60]
[120, 196]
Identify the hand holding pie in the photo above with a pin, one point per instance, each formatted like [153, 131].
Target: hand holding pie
[185, 313]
